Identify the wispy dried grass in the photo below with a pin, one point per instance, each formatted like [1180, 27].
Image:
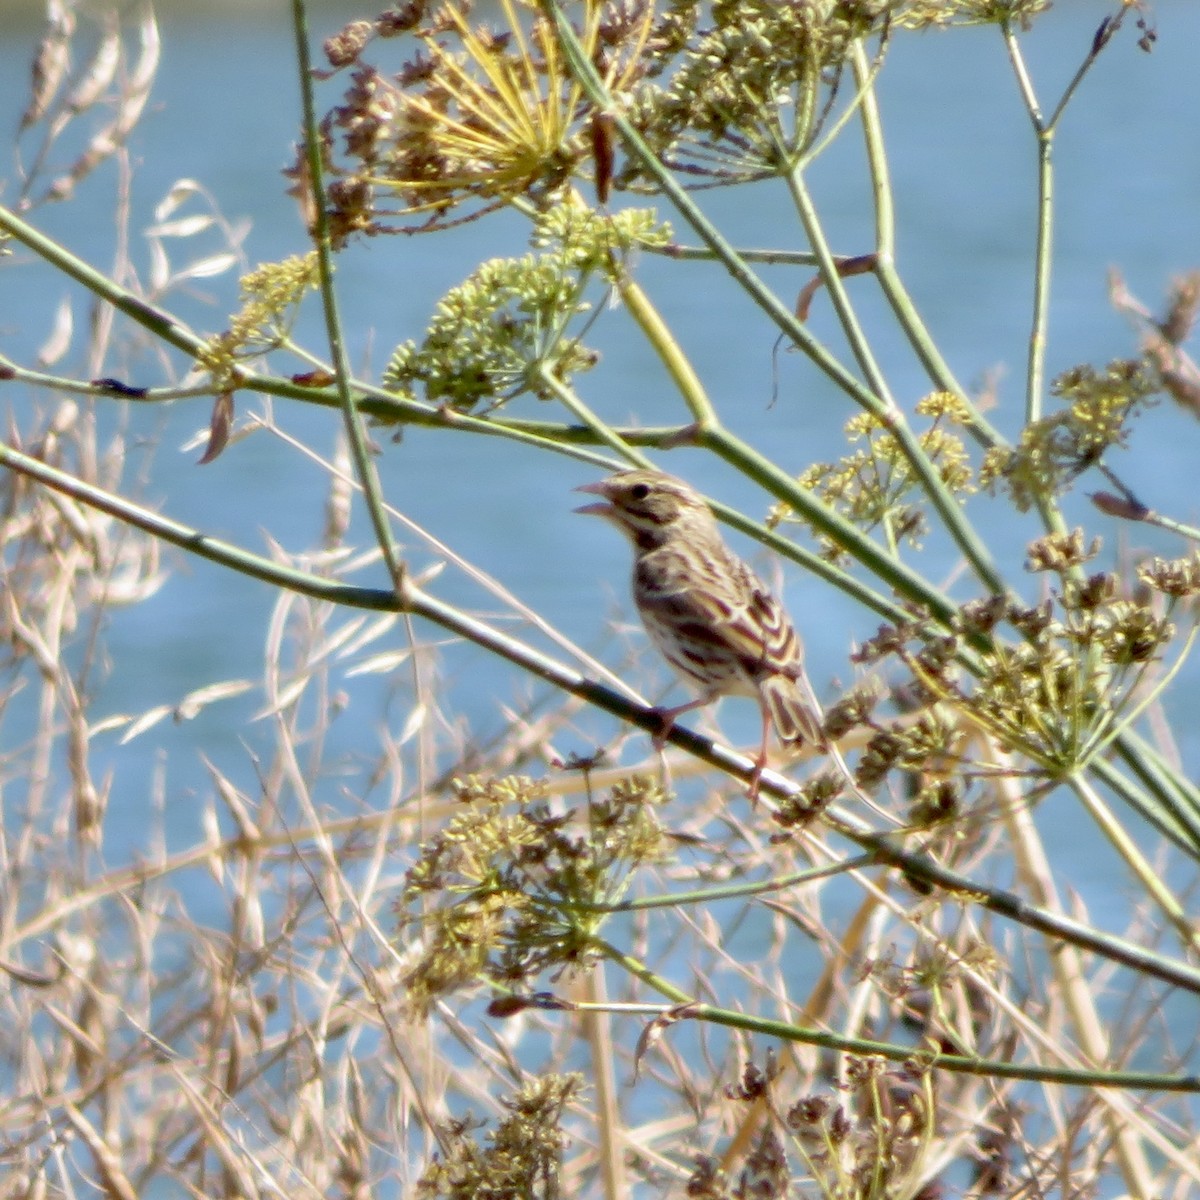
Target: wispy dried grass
[89, 90]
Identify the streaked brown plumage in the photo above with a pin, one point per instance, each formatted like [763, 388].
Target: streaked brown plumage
[713, 619]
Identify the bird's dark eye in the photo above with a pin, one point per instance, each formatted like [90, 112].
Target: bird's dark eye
[640, 491]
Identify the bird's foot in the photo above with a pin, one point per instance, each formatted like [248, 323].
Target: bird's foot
[756, 780]
[666, 722]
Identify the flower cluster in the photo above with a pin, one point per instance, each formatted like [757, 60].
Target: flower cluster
[876, 487]
[1054, 696]
[877, 1143]
[478, 117]
[937, 14]
[743, 96]
[518, 885]
[271, 294]
[482, 115]
[521, 1156]
[1052, 451]
[1163, 338]
[1178, 578]
[507, 328]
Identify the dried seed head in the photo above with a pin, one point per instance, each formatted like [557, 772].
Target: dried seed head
[1060, 552]
[982, 616]
[344, 47]
[850, 712]
[1184, 301]
[1178, 577]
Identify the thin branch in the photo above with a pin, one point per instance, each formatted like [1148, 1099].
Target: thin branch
[356, 434]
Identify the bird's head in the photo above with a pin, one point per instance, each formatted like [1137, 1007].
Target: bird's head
[649, 507]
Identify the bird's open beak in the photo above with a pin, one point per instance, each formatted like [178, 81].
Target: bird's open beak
[596, 510]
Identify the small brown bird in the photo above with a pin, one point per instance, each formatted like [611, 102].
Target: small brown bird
[713, 620]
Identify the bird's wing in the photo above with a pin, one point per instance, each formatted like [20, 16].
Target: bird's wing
[722, 604]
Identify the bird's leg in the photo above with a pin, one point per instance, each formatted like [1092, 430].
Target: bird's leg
[760, 762]
[668, 716]
[666, 722]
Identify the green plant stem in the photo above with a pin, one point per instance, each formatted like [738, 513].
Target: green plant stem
[945, 503]
[884, 848]
[898, 298]
[572, 402]
[1161, 789]
[194, 541]
[161, 324]
[731, 891]
[687, 1009]
[1013, 907]
[1036, 377]
[356, 435]
[1146, 873]
[883, 402]
[1044, 134]
[864, 84]
[1191, 532]
[668, 350]
[386, 407]
[1111, 25]
[1171, 802]
[787, 258]
[885, 254]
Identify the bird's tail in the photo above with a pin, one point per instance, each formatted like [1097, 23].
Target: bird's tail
[793, 717]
